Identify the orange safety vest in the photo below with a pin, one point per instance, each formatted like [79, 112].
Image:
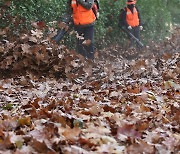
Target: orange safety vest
[132, 18]
[82, 16]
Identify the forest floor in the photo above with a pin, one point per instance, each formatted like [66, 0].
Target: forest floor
[55, 101]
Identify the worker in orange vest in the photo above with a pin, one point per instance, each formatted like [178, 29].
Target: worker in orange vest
[132, 20]
[80, 13]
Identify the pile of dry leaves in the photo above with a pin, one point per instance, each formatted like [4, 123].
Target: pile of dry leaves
[112, 105]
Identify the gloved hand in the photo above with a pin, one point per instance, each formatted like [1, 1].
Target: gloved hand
[141, 27]
[129, 27]
[63, 25]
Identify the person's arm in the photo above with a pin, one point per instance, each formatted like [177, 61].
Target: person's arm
[139, 16]
[124, 18]
[86, 3]
[67, 17]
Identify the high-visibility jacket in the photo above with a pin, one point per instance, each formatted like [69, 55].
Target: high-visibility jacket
[82, 16]
[132, 18]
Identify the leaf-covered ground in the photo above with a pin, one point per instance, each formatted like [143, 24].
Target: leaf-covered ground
[54, 101]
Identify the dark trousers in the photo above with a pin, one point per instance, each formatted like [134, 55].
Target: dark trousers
[136, 32]
[85, 33]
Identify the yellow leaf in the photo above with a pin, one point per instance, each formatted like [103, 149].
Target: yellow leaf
[25, 121]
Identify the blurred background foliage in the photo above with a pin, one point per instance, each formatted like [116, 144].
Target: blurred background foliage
[158, 17]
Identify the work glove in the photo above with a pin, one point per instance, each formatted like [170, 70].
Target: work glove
[141, 27]
[63, 25]
[129, 27]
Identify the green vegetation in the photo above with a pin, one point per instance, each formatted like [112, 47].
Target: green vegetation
[157, 16]
[173, 6]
